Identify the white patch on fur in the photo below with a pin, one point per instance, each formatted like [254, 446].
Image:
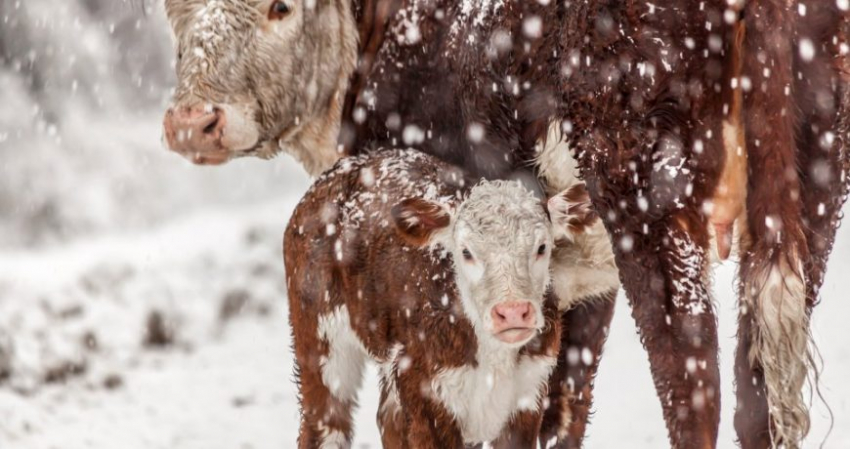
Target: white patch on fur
[576, 279]
[559, 213]
[485, 397]
[240, 129]
[781, 344]
[334, 439]
[554, 160]
[342, 369]
[585, 267]
[391, 404]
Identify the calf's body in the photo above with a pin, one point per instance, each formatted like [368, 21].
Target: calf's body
[361, 289]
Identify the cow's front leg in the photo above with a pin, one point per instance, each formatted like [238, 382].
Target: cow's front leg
[585, 329]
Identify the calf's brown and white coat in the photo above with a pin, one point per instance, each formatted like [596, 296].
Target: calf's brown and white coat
[392, 257]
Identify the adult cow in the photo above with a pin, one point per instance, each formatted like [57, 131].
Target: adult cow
[686, 118]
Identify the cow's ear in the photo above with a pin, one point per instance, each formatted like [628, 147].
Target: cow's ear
[571, 212]
[417, 220]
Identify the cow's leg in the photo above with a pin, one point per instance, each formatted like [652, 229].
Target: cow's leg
[654, 215]
[665, 280]
[822, 94]
[752, 417]
[585, 329]
[651, 185]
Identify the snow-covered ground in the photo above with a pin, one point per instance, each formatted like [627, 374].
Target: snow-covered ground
[142, 300]
[76, 327]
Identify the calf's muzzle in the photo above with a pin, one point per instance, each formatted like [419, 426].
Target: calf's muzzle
[513, 321]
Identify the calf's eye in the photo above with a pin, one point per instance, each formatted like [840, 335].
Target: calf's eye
[467, 255]
[279, 10]
[541, 250]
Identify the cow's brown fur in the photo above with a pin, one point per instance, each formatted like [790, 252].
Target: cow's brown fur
[639, 89]
[644, 90]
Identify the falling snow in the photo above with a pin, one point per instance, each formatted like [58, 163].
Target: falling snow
[104, 227]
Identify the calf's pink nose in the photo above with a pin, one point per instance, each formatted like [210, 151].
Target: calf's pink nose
[195, 131]
[513, 315]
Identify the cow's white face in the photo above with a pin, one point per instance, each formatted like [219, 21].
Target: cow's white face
[258, 76]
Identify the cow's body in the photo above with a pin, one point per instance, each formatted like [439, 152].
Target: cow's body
[685, 118]
[359, 291]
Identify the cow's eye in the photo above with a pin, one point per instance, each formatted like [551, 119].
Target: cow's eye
[279, 10]
[467, 255]
[541, 250]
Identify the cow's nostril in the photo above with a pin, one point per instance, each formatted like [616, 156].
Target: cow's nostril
[209, 129]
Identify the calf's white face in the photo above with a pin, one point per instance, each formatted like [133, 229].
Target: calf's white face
[501, 238]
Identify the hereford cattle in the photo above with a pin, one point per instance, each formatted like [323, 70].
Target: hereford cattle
[391, 256]
[687, 119]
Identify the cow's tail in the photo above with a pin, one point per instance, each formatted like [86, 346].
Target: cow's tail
[773, 279]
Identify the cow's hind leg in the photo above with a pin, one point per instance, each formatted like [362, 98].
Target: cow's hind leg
[329, 367]
[585, 329]
[665, 279]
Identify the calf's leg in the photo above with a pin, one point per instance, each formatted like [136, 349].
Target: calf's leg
[426, 424]
[521, 432]
[329, 361]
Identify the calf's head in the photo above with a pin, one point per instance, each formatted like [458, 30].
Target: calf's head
[500, 237]
[259, 76]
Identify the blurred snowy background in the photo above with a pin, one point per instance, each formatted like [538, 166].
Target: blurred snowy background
[142, 300]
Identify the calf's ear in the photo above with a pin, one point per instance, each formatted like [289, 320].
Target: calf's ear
[417, 220]
[571, 212]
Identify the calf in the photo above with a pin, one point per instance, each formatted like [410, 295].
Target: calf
[391, 257]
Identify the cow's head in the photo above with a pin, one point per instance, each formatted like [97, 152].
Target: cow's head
[259, 76]
[501, 239]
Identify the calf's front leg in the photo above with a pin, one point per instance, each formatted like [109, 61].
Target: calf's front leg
[521, 432]
[426, 424]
